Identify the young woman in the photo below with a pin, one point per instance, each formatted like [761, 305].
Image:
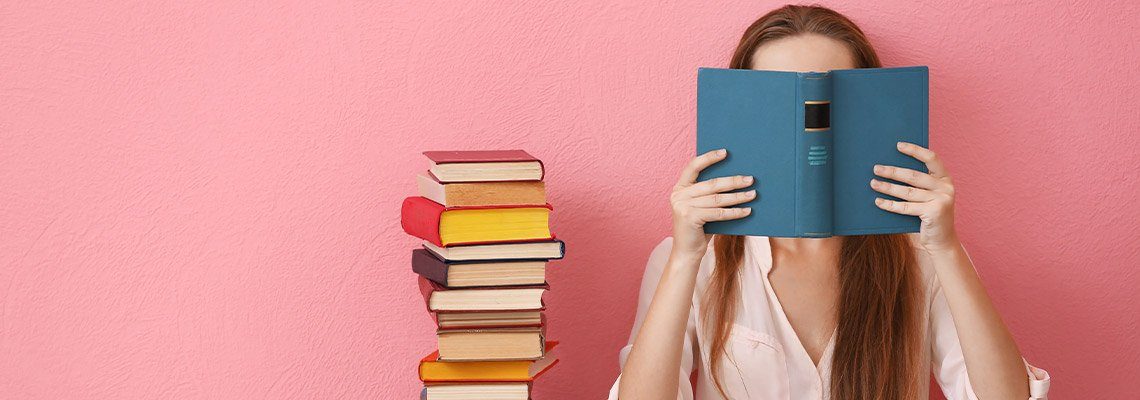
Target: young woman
[857, 317]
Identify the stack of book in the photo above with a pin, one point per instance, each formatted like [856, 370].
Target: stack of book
[484, 221]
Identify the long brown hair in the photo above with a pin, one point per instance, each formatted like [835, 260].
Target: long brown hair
[877, 338]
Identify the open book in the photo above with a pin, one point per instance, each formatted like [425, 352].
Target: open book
[811, 141]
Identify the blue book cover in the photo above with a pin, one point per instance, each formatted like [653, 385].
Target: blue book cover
[811, 140]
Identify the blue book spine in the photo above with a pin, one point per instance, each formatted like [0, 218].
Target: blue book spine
[813, 205]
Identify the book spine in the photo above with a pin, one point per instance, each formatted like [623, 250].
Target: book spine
[428, 266]
[420, 218]
[426, 290]
[423, 374]
[434, 318]
[813, 210]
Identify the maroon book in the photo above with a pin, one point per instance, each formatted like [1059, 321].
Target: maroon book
[428, 265]
[483, 156]
[460, 156]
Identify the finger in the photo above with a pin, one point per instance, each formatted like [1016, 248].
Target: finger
[927, 156]
[908, 193]
[722, 214]
[698, 164]
[908, 176]
[900, 207]
[717, 185]
[723, 199]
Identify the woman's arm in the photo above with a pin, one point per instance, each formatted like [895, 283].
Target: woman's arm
[987, 347]
[986, 343]
[650, 372]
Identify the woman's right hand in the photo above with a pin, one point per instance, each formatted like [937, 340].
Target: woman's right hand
[695, 203]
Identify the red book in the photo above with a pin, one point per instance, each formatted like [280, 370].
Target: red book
[519, 298]
[484, 166]
[446, 226]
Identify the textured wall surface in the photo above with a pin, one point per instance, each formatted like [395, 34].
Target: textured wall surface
[200, 200]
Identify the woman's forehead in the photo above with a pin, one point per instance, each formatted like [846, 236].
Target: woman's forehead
[802, 53]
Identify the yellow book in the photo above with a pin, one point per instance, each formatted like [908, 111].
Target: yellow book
[445, 226]
[494, 224]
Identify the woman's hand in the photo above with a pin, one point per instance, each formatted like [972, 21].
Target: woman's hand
[650, 372]
[930, 197]
[986, 343]
[695, 203]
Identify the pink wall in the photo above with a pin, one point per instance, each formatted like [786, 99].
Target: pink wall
[200, 200]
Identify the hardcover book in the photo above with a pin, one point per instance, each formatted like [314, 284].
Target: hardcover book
[476, 391]
[454, 274]
[482, 193]
[446, 226]
[488, 319]
[434, 370]
[520, 298]
[498, 344]
[484, 166]
[545, 250]
[810, 140]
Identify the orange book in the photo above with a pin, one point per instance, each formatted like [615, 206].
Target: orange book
[433, 370]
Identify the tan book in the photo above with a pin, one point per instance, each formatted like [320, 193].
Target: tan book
[477, 391]
[458, 274]
[491, 344]
[553, 250]
[520, 298]
[487, 319]
[482, 193]
[484, 166]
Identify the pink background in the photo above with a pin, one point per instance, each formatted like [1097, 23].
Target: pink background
[200, 200]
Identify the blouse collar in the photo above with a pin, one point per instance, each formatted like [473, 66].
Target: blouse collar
[761, 251]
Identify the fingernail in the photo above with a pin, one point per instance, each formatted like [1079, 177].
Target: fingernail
[878, 201]
[874, 183]
[750, 193]
[721, 152]
[747, 210]
[878, 168]
[748, 180]
[900, 145]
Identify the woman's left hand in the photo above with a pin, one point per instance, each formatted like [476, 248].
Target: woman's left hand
[930, 197]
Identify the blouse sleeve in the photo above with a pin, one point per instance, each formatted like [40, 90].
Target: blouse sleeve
[653, 271]
[948, 363]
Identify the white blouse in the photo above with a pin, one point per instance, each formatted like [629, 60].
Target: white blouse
[770, 362]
